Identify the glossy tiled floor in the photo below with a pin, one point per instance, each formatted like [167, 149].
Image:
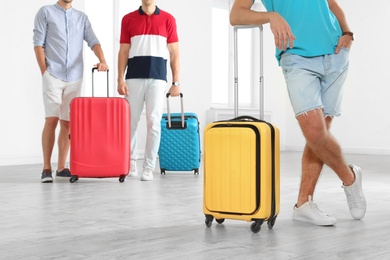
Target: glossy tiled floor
[163, 219]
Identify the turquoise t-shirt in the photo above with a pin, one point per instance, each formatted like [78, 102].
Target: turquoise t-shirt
[313, 24]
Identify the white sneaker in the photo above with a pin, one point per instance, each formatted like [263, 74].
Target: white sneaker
[309, 212]
[147, 175]
[133, 169]
[355, 197]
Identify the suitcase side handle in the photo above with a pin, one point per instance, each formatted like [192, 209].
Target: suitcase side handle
[169, 113]
[93, 82]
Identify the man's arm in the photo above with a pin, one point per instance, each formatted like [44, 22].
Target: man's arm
[175, 67]
[102, 65]
[123, 57]
[39, 38]
[241, 13]
[41, 58]
[345, 40]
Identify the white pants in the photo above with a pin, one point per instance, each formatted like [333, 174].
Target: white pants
[148, 92]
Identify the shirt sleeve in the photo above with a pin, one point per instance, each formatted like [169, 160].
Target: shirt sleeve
[172, 31]
[40, 28]
[268, 4]
[125, 34]
[89, 34]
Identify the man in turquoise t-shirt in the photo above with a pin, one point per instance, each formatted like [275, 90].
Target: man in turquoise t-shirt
[312, 40]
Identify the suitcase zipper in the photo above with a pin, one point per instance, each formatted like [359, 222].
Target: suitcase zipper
[273, 179]
[258, 179]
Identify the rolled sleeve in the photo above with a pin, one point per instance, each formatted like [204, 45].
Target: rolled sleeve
[89, 35]
[40, 28]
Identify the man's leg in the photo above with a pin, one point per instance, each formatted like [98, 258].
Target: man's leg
[63, 144]
[154, 100]
[315, 88]
[136, 99]
[321, 148]
[311, 170]
[324, 146]
[70, 90]
[51, 93]
[48, 139]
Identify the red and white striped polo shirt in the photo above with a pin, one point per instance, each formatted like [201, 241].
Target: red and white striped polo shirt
[149, 37]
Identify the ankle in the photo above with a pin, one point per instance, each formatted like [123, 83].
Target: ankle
[303, 200]
[351, 178]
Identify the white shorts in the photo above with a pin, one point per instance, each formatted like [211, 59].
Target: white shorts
[57, 95]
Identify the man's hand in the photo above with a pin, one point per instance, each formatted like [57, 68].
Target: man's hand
[283, 36]
[345, 41]
[101, 66]
[122, 88]
[174, 91]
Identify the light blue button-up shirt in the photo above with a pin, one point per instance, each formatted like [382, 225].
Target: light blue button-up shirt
[61, 33]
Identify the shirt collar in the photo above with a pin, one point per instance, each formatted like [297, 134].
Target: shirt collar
[141, 12]
[57, 5]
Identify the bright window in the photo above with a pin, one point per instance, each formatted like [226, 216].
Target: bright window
[220, 53]
[222, 60]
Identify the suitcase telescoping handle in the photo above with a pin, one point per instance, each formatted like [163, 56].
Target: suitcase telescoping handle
[93, 82]
[261, 79]
[169, 112]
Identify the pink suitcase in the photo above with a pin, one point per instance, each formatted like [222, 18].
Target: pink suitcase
[99, 137]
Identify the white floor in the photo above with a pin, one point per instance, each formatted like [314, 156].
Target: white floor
[163, 219]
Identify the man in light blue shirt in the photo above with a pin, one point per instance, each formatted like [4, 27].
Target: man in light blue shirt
[312, 40]
[59, 32]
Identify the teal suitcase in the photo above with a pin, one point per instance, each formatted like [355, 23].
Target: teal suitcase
[180, 142]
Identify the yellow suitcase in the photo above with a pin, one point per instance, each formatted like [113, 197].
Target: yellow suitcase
[241, 172]
[241, 162]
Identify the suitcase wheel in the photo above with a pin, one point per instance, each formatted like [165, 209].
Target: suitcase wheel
[196, 171]
[271, 222]
[256, 226]
[73, 178]
[163, 171]
[209, 220]
[220, 221]
[122, 178]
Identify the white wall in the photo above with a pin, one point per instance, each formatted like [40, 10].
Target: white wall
[21, 107]
[363, 127]
[366, 125]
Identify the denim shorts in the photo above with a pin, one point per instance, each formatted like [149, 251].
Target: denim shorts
[316, 82]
